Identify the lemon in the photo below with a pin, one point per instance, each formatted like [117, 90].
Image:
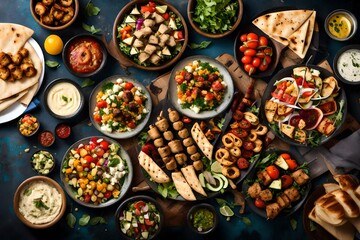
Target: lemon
[53, 44]
[226, 211]
[216, 167]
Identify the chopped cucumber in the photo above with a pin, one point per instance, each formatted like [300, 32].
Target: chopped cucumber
[276, 184]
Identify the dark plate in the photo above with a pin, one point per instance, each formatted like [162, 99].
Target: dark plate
[286, 212]
[130, 200]
[163, 106]
[336, 59]
[317, 232]
[287, 72]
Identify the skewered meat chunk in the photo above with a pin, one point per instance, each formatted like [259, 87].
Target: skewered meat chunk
[265, 195]
[66, 3]
[5, 59]
[293, 194]
[173, 115]
[264, 178]
[254, 190]
[154, 132]
[163, 29]
[168, 159]
[155, 59]
[159, 142]
[272, 210]
[184, 133]
[300, 177]
[191, 150]
[285, 199]
[162, 124]
[168, 135]
[175, 146]
[188, 142]
[171, 165]
[164, 151]
[163, 39]
[178, 125]
[198, 165]
[195, 157]
[181, 158]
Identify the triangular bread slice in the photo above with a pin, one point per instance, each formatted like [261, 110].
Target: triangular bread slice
[350, 185]
[150, 166]
[182, 186]
[283, 23]
[310, 32]
[349, 205]
[329, 210]
[192, 179]
[13, 37]
[199, 137]
[297, 39]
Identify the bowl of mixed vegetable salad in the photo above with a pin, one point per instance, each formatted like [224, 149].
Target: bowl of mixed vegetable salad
[150, 35]
[120, 107]
[215, 18]
[96, 172]
[139, 217]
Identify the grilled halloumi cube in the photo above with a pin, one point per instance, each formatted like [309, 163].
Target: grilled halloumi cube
[288, 130]
[270, 110]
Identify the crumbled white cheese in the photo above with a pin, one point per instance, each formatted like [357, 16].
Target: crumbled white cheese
[188, 69]
[145, 110]
[106, 128]
[106, 110]
[116, 88]
[194, 108]
[119, 80]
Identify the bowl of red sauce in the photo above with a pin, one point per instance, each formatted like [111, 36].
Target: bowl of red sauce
[62, 130]
[84, 55]
[46, 138]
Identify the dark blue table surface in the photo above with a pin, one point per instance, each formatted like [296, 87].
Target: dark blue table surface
[14, 162]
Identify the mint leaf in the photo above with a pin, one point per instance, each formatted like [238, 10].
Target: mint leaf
[113, 162]
[87, 82]
[84, 220]
[202, 45]
[293, 224]
[52, 64]
[91, 28]
[246, 220]
[97, 220]
[71, 220]
[91, 9]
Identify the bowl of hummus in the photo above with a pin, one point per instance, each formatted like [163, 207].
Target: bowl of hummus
[63, 98]
[39, 202]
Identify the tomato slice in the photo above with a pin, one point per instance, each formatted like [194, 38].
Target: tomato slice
[104, 145]
[244, 124]
[128, 86]
[101, 104]
[149, 222]
[145, 9]
[291, 163]
[273, 172]
[239, 132]
[139, 204]
[238, 115]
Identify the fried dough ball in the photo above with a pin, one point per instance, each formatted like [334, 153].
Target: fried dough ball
[47, 19]
[17, 58]
[28, 69]
[69, 14]
[40, 8]
[15, 71]
[4, 73]
[5, 59]
[57, 12]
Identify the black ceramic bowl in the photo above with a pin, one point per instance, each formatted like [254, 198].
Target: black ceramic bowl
[124, 205]
[89, 53]
[65, 99]
[338, 64]
[194, 209]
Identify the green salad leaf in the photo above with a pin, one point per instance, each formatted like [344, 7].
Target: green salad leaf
[71, 220]
[84, 220]
[91, 9]
[167, 190]
[143, 136]
[92, 29]
[52, 64]
[87, 82]
[202, 45]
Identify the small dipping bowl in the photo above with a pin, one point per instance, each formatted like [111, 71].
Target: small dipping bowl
[42, 162]
[84, 55]
[28, 125]
[62, 130]
[46, 138]
[63, 98]
[346, 64]
[341, 25]
[202, 213]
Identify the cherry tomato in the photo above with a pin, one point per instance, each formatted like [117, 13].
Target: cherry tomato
[244, 124]
[263, 41]
[256, 62]
[285, 156]
[267, 60]
[273, 172]
[238, 115]
[253, 44]
[268, 51]
[87, 198]
[107, 194]
[104, 145]
[242, 48]
[101, 104]
[97, 118]
[139, 204]
[186, 119]
[242, 163]
[243, 37]
[137, 212]
[149, 222]
[246, 59]
[89, 159]
[252, 36]
[209, 96]
[248, 145]
[166, 16]
[259, 203]
[128, 86]
[99, 152]
[216, 86]
[260, 54]
[246, 153]
[250, 52]
[239, 132]
[291, 163]
[286, 181]
[263, 67]
[249, 68]
[131, 125]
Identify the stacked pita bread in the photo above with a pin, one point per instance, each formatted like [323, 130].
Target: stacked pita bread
[292, 28]
[14, 37]
[338, 211]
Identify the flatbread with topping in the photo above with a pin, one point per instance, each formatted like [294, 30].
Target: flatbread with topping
[199, 137]
[192, 179]
[182, 186]
[150, 166]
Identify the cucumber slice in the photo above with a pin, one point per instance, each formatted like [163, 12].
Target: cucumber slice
[202, 180]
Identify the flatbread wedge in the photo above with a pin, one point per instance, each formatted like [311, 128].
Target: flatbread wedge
[192, 179]
[297, 39]
[309, 33]
[13, 37]
[182, 186]
[150, 166]
[199, 137]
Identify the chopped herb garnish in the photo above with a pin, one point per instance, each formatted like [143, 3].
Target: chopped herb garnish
[92, 29]
[40, 204]
[64, 98]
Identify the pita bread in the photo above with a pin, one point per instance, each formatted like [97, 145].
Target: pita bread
[192, 179]
[182, 186]
[297, 39]
[309, 33]
[13, 37]
[155, 172]
[4, 104]
[282, 24]
[201, 140]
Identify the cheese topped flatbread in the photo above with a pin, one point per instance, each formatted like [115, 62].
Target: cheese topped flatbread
[150, 166]
[192, 179]
[199, 137]
[182, 186]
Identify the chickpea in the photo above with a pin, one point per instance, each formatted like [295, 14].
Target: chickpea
[93, 198]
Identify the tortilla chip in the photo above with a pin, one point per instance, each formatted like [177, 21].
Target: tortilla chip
[192, 179]
[201, 140]
[182, 186]
[155, 172]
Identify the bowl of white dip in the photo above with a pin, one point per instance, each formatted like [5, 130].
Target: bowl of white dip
[63, 98]
[346, 64]
[39, 202]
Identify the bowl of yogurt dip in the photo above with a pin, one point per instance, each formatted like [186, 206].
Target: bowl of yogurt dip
[346, 64]
[39, 202]
[63, 98]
